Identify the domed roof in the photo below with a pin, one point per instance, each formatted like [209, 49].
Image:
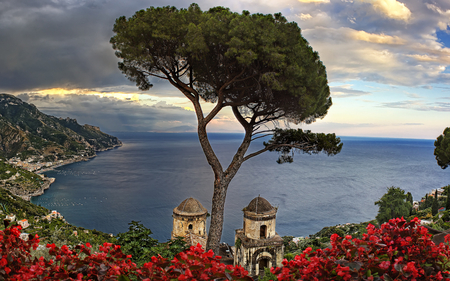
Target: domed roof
[191, 206]
[259, 205]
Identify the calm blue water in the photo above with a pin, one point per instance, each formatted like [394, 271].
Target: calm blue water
[152, 173]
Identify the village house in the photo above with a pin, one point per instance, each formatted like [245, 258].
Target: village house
[24, 236]
[23, 223]
[11, 217]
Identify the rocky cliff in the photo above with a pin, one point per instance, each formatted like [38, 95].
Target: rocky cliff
[27, 133]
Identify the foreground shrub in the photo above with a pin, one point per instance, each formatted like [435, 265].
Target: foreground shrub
[398, 250]
[109, 263]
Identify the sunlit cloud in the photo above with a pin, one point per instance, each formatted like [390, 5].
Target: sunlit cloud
[376, 38]
[63, 92]
[304, 16]
[392, 9]
[314, 1]
[344, 91]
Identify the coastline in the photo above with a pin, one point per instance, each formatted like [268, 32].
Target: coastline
[74, 160]
[49, 181]
[44, 186]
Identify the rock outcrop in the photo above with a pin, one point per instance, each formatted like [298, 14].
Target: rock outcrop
[25, 131]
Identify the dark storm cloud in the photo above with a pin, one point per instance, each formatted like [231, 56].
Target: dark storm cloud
[114, 115]
[59, 43]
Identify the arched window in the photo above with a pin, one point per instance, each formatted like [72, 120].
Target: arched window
[190, 227]
[263, 232]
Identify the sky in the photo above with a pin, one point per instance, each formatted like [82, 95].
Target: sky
[388, 64]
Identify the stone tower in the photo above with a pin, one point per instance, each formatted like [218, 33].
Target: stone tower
[189, 221]
[257, 243]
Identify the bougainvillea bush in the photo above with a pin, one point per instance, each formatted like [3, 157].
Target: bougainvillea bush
[109, 263]
[398, 250]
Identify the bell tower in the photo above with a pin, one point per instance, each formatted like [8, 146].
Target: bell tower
[257, 244]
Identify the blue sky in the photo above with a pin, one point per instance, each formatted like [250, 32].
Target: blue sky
[388, 64]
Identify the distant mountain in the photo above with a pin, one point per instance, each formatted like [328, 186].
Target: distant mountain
[26, 132]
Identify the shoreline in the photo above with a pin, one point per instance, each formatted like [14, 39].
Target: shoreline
[71, 161]
[46, 184]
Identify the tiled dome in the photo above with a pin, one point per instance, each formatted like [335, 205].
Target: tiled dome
[191, 206]
[259, 205]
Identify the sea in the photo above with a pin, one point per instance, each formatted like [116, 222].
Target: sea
[152, 173]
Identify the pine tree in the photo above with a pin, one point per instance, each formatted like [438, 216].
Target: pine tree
[435, 205]
[447, 203]
[393, 204]
[409, 199]
[258, 67]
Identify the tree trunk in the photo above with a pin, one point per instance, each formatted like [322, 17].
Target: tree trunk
[217, 212]
[221, 182]
[221, 178]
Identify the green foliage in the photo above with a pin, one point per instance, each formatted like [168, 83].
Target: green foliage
[261, 60]
[16, 205]
[393, 204]
[447, 200]
[61, 233]
[409, 198]
[321, 239]
[427, 203]
[138, 243]
[442, 149]
[136, 239]
[286, 141]
[237, 244]
[25, 180]
[268, 276]
[424, 214]
[435, 205]
[314, 243]
[55, 231]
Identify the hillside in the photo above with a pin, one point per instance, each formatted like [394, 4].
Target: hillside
[49, 225]
[21, 182]
[26, 132]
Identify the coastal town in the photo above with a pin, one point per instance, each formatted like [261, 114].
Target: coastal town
[38, 165]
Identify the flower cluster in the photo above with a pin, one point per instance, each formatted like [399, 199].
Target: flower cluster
[109, 263]
[398, 250]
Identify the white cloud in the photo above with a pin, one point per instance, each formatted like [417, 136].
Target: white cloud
[376, 38]
[344, 91]
[392, 9]
[437, 9]
[305, 16]
[314, 1]
[419, 105]
[413, 95]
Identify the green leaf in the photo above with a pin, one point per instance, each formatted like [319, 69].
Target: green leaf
[123, 278]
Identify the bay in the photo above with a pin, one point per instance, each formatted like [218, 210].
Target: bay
[152, 173]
